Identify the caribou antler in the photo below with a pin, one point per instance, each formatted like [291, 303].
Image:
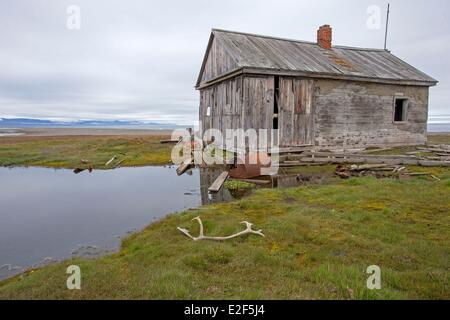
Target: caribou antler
[201, 236]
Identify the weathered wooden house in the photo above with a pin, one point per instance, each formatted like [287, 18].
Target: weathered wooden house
[312, 92]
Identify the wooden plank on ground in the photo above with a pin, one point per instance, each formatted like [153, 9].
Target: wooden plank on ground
[304, 164]
[184, 166]
[168, 141]
[350, 155]
[434, 163]
[294, 149]
[217, 184]
[433, 150]
[349, 160]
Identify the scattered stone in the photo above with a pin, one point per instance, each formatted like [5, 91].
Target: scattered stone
[6, 267]
[212, 290]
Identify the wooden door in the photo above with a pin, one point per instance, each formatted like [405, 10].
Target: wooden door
[296, 111]
[257, 111]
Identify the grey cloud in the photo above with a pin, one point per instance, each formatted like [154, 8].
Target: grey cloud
[140, 59]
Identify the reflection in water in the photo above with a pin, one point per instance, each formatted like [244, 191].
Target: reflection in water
[207, 177]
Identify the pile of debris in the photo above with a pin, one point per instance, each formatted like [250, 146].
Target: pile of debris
[378, 170]
[431, 156]
[250, 166]
[245, 168]
[433, 152]
[85, 164]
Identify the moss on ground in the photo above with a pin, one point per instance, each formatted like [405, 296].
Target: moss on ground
[236, 185]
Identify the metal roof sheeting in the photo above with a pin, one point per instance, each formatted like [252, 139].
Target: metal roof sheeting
[263, 52]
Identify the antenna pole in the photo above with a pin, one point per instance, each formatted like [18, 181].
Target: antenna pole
[387, 25]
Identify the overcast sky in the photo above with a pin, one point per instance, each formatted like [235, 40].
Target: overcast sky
[136, 59]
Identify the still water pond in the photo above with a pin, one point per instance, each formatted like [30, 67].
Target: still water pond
[47, 215]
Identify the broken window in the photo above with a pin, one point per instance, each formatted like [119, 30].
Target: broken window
[275, 122]
[400, 109]
[299, 93]
[276, 93]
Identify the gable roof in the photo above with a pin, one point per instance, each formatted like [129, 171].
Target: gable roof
[263, 54]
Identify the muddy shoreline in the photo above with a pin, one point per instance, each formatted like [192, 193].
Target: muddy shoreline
[55, 132]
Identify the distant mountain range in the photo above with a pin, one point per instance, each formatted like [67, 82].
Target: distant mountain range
[36, 123]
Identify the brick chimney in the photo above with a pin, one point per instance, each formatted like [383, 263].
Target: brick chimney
[324, 36]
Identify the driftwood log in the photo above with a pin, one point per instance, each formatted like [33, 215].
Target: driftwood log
[111, 160]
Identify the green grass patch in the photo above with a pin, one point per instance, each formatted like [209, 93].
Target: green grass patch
[67, 151]
[236, 185]
[313, 169]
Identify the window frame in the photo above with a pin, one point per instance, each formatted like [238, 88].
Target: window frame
[405, 107]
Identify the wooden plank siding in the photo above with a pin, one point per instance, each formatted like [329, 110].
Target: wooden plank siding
[296, 111]
[342, 97]
[353, 114]
[239, 103]
[258, 102]
[218, 61]
[225, 103]
[320, 112]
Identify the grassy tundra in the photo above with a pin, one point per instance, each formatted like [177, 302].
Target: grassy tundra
[319, 241]
[67, 151]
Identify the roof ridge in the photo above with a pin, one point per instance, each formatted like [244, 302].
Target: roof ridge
[298, 41]
[264, 36]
